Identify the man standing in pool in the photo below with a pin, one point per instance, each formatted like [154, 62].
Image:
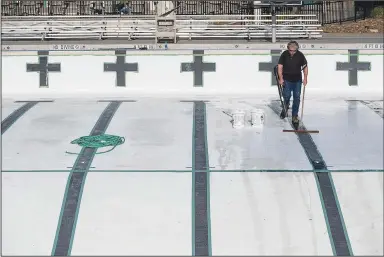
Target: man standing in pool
[290, 65]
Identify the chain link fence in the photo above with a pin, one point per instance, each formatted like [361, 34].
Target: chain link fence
[327, 12]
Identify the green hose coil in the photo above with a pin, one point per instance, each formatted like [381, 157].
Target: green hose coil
[98, 141]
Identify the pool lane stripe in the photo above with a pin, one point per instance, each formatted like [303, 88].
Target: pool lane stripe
[332, 212]
[201, 227]
[15, 115]
[71, 203]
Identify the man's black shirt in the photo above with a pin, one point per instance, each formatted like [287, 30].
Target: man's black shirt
[292, 65]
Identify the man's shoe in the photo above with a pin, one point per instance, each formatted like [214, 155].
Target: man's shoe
[295, 122]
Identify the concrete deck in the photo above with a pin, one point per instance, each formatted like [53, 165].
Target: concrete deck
[329, 41]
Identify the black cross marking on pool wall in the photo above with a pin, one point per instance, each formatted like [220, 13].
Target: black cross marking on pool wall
[120, 67]
[353, 66]
[43, 67]
[198, 67]
[268, 66]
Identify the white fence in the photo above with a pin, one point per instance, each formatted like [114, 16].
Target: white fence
[145, 27]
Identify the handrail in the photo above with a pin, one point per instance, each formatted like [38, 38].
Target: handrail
[179, 17]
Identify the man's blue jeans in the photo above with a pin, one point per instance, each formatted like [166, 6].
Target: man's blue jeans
[295, 88]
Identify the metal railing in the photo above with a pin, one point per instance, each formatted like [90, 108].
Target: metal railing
[326, 11]
[145, 27]
[75, 7]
